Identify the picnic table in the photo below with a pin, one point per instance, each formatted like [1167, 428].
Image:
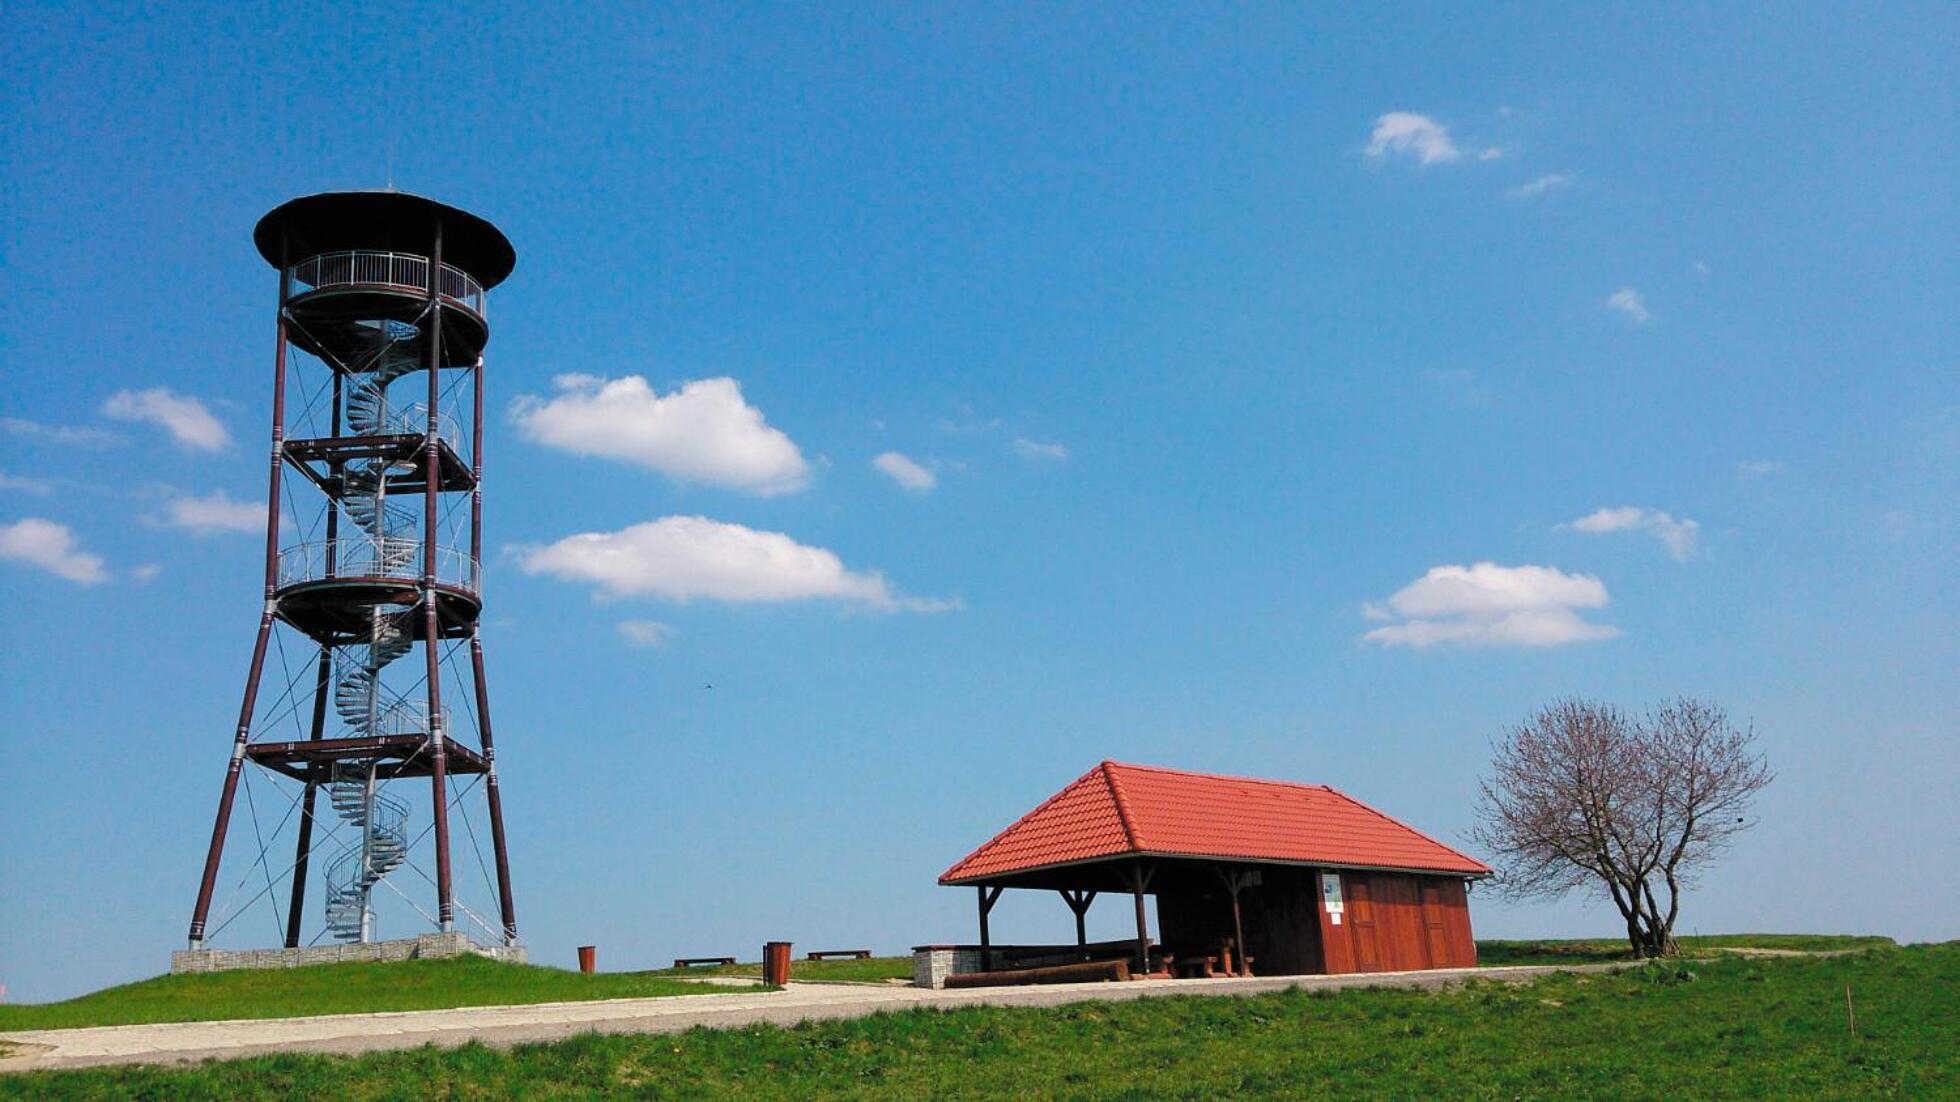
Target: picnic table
[689, 962]
[838, 954]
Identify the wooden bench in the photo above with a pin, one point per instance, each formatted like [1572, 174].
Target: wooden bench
[838, 954]
[1207, 961]
[689, 962]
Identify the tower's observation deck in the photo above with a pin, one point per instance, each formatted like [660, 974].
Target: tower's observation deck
[360, 272]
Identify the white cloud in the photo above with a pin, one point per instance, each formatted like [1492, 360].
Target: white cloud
[1036, 449]
[905, 472]
[1543, 185]
[1418, 136]
[1678, 536]
[186, 419]
[214, 513]
[1491, 605]
[146, 572]
[25, 485]
[1459, 385]
[1490, 153]
[684, 558]
[59, 434]
[1756, 468]
[51, 547]
[645, 633]
[1629, 302]
[703, 432]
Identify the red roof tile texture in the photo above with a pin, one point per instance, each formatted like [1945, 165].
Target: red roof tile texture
[1117, 809]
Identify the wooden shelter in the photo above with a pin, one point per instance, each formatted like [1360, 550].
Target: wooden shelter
[1249, 875]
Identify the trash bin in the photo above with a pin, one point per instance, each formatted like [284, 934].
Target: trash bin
[588, 958]
[775, 963]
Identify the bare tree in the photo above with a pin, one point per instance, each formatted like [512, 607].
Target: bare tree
[1581, 796]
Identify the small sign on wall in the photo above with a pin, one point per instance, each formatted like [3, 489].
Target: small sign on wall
[1330, 895]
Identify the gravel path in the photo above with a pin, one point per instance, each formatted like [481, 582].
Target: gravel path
[184, 1042]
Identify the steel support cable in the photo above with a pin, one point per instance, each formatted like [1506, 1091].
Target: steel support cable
[292, 805]
[292, 683]
[468, 697]
[475, 846]
[273, 715]
[454, 804]
[252, 805]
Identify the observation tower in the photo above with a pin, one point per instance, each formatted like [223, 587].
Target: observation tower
[367, 679]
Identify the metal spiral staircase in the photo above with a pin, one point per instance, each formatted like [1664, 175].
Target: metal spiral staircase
[363, 702]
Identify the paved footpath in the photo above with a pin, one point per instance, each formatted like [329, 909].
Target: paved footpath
[185, 1042]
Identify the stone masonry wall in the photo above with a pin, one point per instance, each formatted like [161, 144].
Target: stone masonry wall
[423, 947]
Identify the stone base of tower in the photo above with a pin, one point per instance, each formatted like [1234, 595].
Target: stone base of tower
[423, 947]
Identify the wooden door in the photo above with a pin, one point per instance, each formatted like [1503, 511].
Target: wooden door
[1435, 927]
[1362, 922]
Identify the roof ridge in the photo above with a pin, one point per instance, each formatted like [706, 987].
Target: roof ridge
[1380, 814]
[1122, 807]
[1219, 776]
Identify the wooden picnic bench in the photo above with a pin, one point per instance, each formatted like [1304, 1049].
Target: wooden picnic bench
[838, 954]
[689, 962]
[1219, 958]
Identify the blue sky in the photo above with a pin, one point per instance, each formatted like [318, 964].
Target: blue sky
[1230, 342]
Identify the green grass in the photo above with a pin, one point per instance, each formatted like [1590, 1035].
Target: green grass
[1491, 954]
[1722, 1028]
[337, 989]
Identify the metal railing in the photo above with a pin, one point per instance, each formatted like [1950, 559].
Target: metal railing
[367, 557]
[414, 421]
[404, 271]
[407, 717]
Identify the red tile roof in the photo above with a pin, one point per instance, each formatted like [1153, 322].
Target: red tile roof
[1116, 809]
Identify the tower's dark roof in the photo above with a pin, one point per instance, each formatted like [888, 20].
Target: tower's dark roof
[390, 221]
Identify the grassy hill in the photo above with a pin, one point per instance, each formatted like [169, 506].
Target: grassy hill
[1727, 1027]
[474, 981]
[338, 989]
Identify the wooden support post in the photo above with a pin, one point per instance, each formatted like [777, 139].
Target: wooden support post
[1139, 882]
[1235, 882]
[1078, 903]
[988, 897]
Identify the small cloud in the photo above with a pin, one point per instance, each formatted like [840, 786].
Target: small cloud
[1490, 153]
[1701, 267]
[1404, 133]
[684, 558]
[646, 634]
[1751, 469]
[143, 574]
[53, 548]
[186, 419]
[25, 485]
[59, 434]
[215, 513]
[1459, 386]
[704, 432]
[1037, 450]
[1492, 606]
[1542, 186]
[968, 423]
[905, 472]
[1678, 536]
[1629, 302]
